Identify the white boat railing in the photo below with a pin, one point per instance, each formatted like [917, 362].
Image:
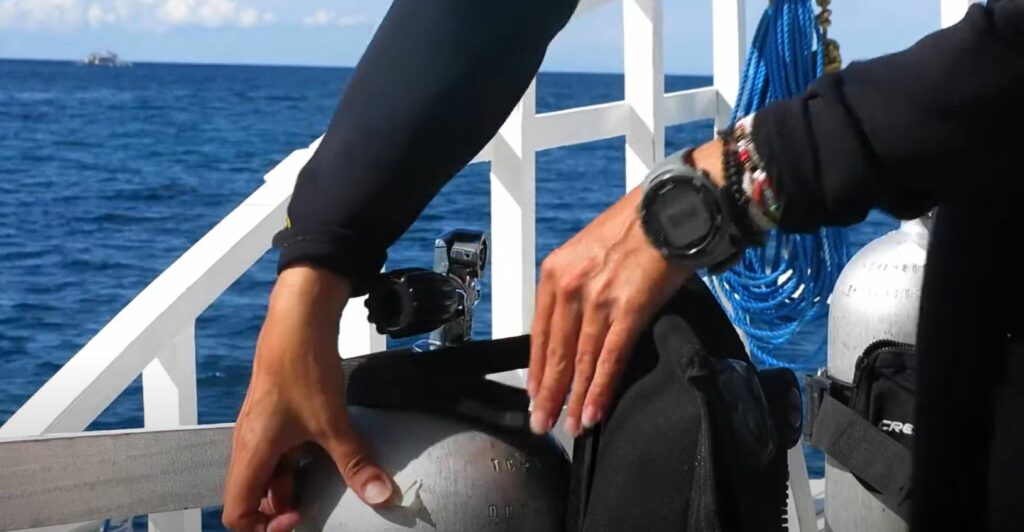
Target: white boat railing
[154, 335]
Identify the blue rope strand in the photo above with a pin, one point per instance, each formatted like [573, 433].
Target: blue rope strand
[773, 291]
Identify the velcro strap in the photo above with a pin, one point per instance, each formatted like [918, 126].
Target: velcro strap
[865, 451]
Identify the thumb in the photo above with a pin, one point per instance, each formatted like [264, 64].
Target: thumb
[361, 474]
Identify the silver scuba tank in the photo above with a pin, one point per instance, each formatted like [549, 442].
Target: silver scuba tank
[876, 297]
[450, 473]
[449, 476]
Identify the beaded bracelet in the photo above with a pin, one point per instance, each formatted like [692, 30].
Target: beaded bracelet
[763, 206]
[736, 200]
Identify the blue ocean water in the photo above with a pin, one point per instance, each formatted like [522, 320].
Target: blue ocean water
[108, 175]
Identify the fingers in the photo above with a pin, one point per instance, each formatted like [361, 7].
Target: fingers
[281, 492]
[284, 522]
[541, 328]
[609, 367]
[558, 360]
[361, 474]
[252, 463]
[592, 337]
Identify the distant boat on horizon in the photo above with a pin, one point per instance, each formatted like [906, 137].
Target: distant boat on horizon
[105, 58]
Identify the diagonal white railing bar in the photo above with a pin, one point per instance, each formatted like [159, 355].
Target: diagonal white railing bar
[101, 370]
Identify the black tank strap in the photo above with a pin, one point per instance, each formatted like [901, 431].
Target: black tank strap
[870, 455]
[449, 381]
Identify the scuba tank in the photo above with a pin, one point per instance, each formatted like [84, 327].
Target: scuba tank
[457, 445]
[449, 474]
[866, 429]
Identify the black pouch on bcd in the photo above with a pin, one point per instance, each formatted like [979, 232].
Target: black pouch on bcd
[884, 389]
[868, 427]
[697, 438]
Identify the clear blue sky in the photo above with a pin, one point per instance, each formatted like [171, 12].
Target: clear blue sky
[334, 32]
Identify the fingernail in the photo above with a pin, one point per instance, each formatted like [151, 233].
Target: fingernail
[540, 422]
[377, 491]
[590, 416]
[572, 426]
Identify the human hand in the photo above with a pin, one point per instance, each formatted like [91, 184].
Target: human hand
[597, 292]
[296, 395]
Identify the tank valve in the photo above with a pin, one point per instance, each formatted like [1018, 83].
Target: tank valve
[413, 301]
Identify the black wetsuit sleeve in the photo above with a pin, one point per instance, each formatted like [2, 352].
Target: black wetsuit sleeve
[905, 132]
[434, 85]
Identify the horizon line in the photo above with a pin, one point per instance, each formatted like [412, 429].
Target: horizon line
[299, 65]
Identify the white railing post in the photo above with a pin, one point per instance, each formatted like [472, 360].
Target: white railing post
[800, 511]
[951, 11]
[356, 335]
[513, 221]
[169, 400]
[728, 23]
[645, 87]
[169, 384]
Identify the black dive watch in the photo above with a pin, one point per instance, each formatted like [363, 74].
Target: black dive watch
[688, 219]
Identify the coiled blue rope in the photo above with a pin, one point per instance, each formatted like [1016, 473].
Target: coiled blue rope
[775, 290]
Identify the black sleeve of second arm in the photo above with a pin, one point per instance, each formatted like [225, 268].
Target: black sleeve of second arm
[903, 132]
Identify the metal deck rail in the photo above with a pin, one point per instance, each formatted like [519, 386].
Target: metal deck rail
[48, 480]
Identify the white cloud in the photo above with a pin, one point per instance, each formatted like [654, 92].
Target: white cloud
[135, 14]
[320, 17]
[323, 17]
[352, 20]
[40, 13]
[211, 13]
[175, 11]
[97, 15]
[249, 17]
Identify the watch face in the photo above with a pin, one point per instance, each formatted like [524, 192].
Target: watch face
[682, 215]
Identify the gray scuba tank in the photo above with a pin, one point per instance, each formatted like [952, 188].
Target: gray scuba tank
[450, 475]
[456, 444]
[876, 297]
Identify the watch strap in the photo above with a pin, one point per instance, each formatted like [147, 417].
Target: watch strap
[676, 161]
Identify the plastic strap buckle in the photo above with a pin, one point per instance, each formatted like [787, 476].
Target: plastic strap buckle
[818, 386]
